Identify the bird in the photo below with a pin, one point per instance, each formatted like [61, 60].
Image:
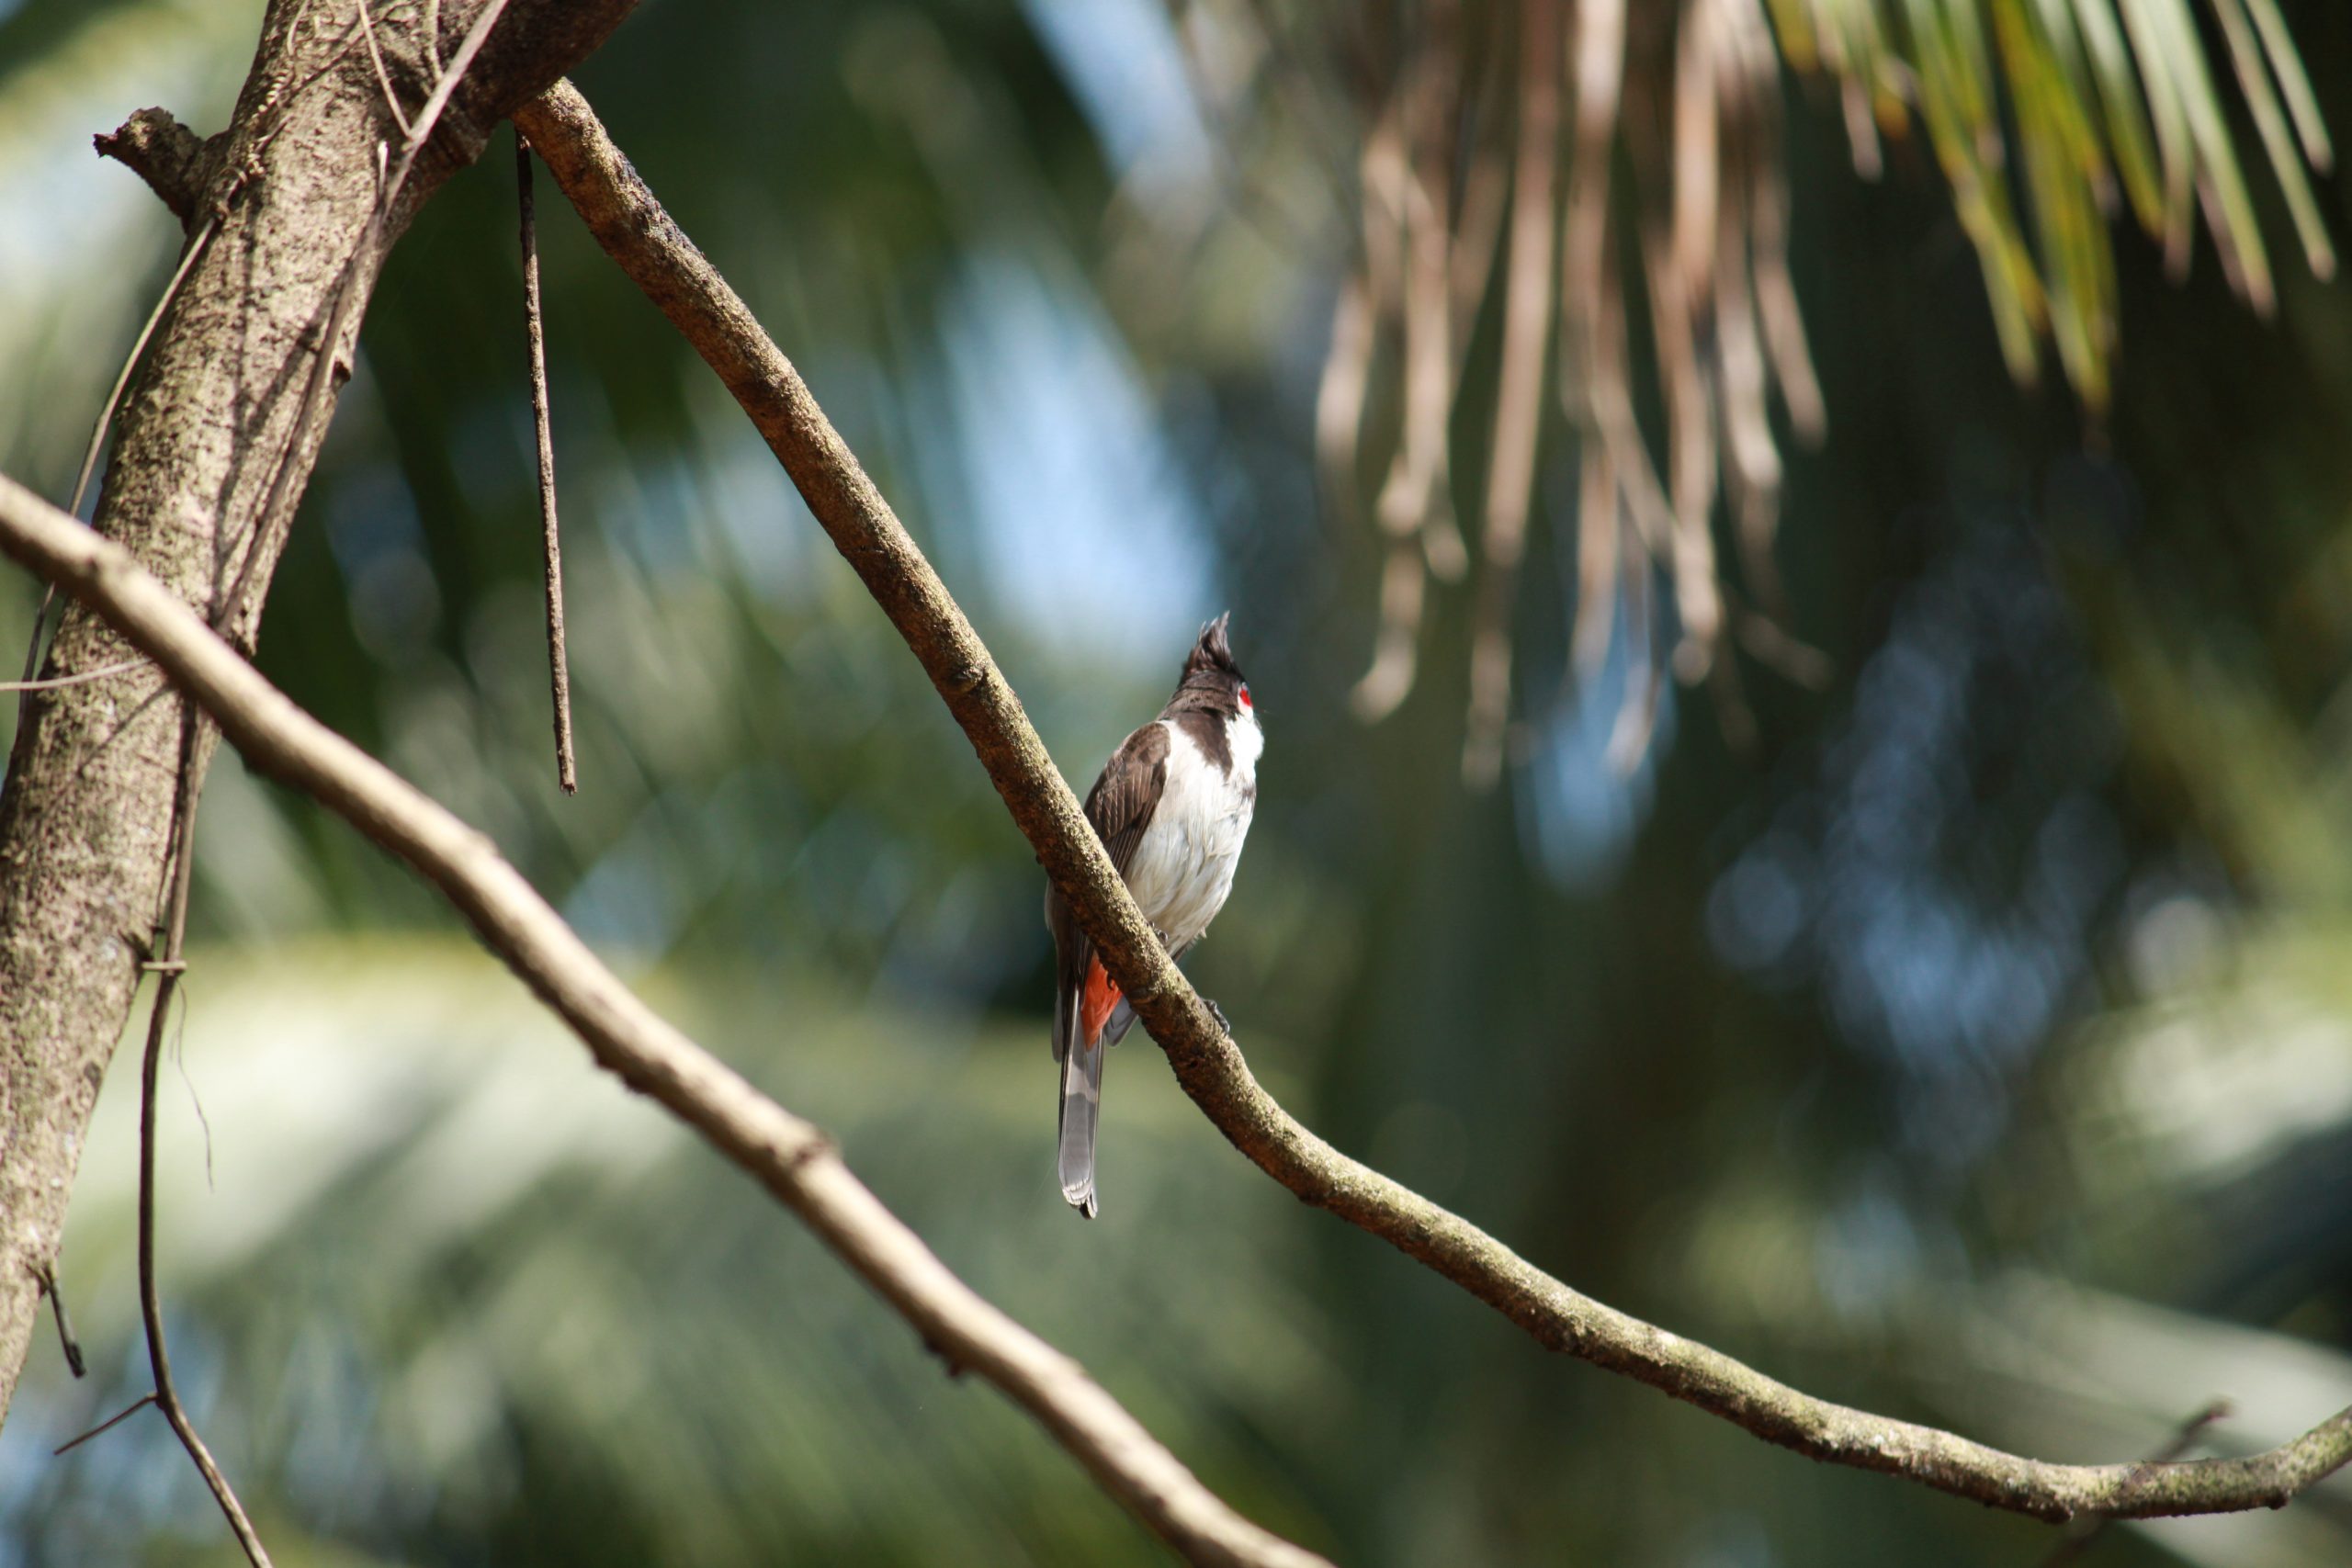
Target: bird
[1171, 807]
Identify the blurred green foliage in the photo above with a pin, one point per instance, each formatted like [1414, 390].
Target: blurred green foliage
[2015, 956]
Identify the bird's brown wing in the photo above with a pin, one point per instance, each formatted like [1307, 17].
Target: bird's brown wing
[1120, 806]
[1122, 802]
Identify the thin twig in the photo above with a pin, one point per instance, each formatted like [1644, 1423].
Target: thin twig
[2085, 1532]
[383, 77]
[430, 115]
[47, 1274]
[550, 541]
[109, 1425]
[793, 1160]
[82, 677]
[171, 969]
[195, 1101]
[632, 227]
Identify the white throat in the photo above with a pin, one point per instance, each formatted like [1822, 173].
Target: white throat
[1248, 742]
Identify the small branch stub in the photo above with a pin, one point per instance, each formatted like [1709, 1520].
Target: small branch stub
[170, 157]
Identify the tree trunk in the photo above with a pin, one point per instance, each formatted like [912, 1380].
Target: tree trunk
[287, 191]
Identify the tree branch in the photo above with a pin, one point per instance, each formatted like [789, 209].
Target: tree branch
[791, 1158]
[635, 231]
[171, 158]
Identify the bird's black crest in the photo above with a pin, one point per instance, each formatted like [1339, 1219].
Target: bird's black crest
[1213, 652]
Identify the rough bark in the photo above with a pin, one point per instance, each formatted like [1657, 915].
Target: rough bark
[282, 202]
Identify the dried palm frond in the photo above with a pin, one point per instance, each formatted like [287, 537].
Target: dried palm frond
[2046, 117]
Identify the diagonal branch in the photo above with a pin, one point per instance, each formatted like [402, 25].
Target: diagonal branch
[793, 1160]
[633, 228]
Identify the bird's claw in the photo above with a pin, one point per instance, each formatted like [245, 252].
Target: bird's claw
[1217, 1013]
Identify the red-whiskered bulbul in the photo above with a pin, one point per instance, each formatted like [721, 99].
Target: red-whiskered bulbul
[1173, 806]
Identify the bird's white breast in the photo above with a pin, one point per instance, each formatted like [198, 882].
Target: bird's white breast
[1183, 866]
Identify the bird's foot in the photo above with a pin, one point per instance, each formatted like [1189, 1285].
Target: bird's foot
[1217, 1013]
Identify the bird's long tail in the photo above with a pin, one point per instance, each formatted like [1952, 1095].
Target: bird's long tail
[1080, 1041]
[1082, 1099]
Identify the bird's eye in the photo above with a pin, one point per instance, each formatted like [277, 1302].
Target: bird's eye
[1245, 703]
